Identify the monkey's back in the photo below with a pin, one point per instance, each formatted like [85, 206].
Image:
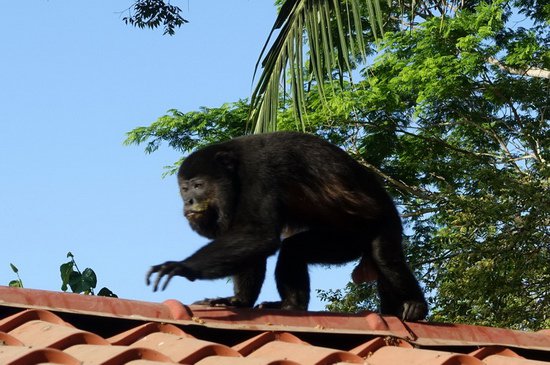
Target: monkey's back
[316, 181]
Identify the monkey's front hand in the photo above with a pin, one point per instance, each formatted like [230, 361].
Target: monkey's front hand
[168, 269]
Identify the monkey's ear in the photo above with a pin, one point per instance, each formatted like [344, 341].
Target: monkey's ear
[226, 160]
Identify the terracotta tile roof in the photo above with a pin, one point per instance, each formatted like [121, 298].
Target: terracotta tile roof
[42, 327]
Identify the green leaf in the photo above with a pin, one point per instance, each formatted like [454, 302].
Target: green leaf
[83, 282]
[316, 22]
[76, 283]
[105, 292]
[14, 268]
[90, 277]
[66, 270]
[16, 284]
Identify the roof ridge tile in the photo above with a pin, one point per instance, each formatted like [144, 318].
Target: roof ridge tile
[368, 348]
[9, 340]
[254, 343]
[184, 349]
[38, 333]
[401, 355]
[114, 355]
[303, 353]
[493, 350]
[505, 360]
[134, 334]
[21, 355]
[9, 323]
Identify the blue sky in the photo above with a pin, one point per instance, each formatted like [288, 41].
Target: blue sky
[73, 80]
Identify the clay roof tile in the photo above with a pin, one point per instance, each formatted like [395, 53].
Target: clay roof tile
[42, 327]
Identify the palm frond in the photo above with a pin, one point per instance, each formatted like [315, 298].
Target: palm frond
[317, 35]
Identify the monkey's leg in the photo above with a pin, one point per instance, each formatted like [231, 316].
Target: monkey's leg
[247, 285]
[310, 247]
[292, 277]
[399, 291]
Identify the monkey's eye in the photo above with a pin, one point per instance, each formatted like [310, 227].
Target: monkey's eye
[197, 185]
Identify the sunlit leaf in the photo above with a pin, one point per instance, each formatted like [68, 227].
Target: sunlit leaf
[284, 56]
[16, 284]
[105, 292]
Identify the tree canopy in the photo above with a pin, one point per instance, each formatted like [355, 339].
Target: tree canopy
[312, 41]
[451, 111]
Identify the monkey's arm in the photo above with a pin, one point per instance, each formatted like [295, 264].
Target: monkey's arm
[223, 257]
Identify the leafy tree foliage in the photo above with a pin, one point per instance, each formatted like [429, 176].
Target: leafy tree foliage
[16, 283]
[311, 39]
[453, 115]
[188, 131]
[334, 31]
[153, 14]
[464, 142]
[80, 282]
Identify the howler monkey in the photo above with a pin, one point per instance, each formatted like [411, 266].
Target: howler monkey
[245, 193]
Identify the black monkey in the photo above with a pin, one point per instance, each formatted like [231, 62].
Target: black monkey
[246, 193]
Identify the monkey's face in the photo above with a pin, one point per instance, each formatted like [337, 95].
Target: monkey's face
[200, 205]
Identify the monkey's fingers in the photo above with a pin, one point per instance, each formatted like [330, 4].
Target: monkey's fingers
[161, 270]
[148, 275]
[156, 283]
[170, 276]
[168, 270]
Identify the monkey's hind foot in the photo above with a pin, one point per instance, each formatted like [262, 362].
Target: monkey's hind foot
[414, 311]
[223, 302]
[280, 305]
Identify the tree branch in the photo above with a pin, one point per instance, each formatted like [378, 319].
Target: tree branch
[447, 145]
[398, 183]
[420, 212]
[531, 71]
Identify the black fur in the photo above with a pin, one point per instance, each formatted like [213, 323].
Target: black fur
[246, 193]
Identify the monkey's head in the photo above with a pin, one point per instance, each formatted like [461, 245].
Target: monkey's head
[207, 186]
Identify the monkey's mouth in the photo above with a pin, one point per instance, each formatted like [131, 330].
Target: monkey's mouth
[203, 221]
[193, 214]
